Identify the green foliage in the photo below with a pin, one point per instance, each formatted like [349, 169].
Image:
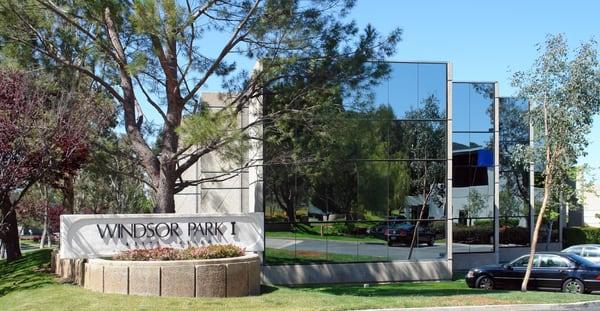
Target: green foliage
[564, 97]
[512, 204]
[472, 234]
[509, 222]
[574, 236]
[475, 203]
[112, 181]
[309, 51]
[339, 228]
[217, 128]
[514, 235]
[582, 235]
[564, 94]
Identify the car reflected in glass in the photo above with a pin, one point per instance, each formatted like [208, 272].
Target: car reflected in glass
[590, 252]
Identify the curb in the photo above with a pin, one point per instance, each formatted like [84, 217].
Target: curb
[586, 305]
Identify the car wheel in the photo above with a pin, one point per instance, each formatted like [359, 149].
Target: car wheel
[390, 243]
[430, 242]
[485, 282]
[573, 286]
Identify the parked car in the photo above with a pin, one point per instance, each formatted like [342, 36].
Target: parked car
[403, 233]
[551, 270]
[378, 229]
[590, 252]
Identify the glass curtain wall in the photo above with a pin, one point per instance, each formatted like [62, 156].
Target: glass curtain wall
[473, 167]
[368, 180]
[515, 190]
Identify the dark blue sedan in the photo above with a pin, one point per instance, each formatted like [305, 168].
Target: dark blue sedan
[551, 270]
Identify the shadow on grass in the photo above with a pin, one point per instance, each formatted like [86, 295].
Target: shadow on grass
[266, 289]
[21, 274]
[428, 289]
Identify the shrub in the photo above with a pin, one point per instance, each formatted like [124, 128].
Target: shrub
[472, 235]
[517, 236]
[573, 236]
[585, 235]
[483, 223]
[168, 253]
[439, 228]
[509, 222]
[339, 228]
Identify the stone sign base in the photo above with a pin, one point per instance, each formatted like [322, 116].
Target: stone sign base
[227, 277]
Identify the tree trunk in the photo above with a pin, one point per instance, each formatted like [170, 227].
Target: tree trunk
[165, 193]
[549, 235]
[414, 240]
[10, 231]
[45, 230]
[2, 252]
[536, 232]
[68, 195]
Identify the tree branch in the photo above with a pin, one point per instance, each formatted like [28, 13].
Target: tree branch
[233, 41]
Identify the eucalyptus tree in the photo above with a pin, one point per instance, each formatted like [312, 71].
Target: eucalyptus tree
[564, 94]
[153, 57]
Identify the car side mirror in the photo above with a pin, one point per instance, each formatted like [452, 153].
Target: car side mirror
[508, 267]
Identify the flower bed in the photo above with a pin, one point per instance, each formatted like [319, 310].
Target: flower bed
[192, 253]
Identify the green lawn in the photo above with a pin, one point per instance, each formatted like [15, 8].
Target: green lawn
[304, 231]
[29, 245]
[316, 236]
[24, 287]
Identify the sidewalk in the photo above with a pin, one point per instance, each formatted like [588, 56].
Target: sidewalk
[588, 305]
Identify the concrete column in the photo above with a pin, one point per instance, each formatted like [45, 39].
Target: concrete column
[496, 173]
[531, 182]
[449, 150]
[255, 171]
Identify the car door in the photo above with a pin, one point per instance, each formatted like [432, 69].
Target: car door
[551, 271]
[515, 272]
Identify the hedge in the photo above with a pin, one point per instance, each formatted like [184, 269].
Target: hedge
[516, 235]
[472, 235]
[484, 234]
[583, 235]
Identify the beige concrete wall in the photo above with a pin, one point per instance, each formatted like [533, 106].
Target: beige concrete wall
[241, 192]
[376, 272]
[591, 207]
[228, 277]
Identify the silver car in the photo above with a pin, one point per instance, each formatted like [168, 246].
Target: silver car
[590, 251]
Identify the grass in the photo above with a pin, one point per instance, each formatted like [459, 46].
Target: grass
[27, 245]
[276, 256]
[24, 287]
[303, 231]
[316, 236]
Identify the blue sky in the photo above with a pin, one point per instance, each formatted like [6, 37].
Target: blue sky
[484, 40]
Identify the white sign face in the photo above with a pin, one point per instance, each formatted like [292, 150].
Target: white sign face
[92, 236]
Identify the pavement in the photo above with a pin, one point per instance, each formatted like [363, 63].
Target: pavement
[588, 305]
[399, 252]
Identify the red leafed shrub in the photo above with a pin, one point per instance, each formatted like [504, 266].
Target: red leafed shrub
[46, 132]
[168, 253]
